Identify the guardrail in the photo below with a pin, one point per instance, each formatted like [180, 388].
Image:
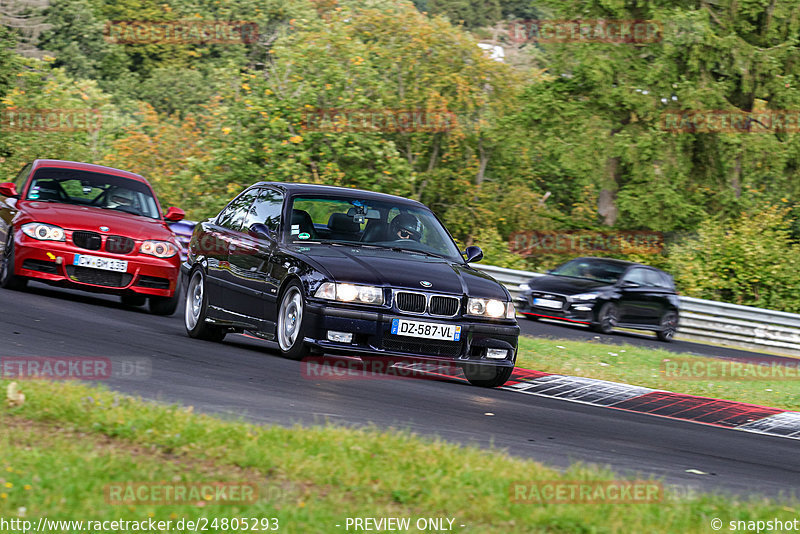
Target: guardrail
[706, 321]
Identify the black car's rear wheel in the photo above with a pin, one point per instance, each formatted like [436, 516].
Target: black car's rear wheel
[487, 376]
[607, 318]
[291, 326]
[668, 326]
[194, 318]
[8, 279]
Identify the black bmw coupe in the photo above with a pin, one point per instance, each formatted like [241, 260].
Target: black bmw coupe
[322, 269]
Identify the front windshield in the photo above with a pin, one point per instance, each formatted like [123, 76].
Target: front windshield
[591, 269]
[369, 222]
[84, 188]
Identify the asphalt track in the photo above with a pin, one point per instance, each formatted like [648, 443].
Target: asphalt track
[244, 377]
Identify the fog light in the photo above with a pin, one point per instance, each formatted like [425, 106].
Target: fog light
[340, 337]
[496, 354]
[583, 308]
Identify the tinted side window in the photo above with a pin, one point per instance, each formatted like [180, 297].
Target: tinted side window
[19, 181]
[266, 210]
[637, 275]
[654, 279]
[666, 281]
[234, 215]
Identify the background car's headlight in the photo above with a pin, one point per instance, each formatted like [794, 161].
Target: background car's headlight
[488, 307]
[159, 249]
[586, 296]
[350, 293]
[43, 232]
[524, 287]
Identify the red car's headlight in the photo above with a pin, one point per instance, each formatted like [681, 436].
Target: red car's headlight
[43, 232]
[159, 249]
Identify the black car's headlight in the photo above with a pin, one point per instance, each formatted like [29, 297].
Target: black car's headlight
[491, 308]
[43, 232]
[159, 249]
[350, 293]
[584, 297]
[524, 287]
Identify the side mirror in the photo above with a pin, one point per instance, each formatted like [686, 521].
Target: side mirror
[262, 231]
[473, 254]
[549, 271]
[174, 214]
[8, 189]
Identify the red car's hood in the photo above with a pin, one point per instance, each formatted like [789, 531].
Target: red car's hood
[71, 217]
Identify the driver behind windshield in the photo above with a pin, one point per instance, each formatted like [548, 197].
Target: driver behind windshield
[406, 226]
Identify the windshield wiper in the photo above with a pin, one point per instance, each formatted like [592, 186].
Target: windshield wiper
[403, 249]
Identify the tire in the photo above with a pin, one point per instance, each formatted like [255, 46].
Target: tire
[606, 319]
[133, 299]
[165, 306]
[291, 324]
[530, 317]
[194, 318]
[487, 376]
[668, 326]
[8, 280]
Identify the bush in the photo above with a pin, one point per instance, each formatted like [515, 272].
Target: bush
[751, 260]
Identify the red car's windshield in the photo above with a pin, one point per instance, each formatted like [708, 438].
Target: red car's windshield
[85, 188]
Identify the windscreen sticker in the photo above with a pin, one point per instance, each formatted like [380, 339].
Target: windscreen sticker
[295, 229]
[304, 236]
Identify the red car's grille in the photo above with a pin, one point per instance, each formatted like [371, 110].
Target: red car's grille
[87, 240]
[117, 244]
[87, 275]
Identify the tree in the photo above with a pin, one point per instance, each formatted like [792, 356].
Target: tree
[751, 260]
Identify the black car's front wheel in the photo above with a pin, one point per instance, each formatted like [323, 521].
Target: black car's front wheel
[291, 324]
[196, 307]
[487, 376]
[8, 279]
[667, 326]
[607, 318]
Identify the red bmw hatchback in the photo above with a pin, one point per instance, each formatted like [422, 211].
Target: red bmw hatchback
[89, 227]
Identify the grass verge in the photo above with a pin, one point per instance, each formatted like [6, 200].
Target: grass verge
[67, 441]
[647, 367]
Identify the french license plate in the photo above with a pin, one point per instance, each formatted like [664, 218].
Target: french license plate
[445, 332]
[96, 262]
[547, 303]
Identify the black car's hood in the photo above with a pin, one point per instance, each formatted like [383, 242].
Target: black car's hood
[564, 285]
[399, 269]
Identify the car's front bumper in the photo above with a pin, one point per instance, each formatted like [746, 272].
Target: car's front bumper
[53, 262]
[574, 312]
[372, 336]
